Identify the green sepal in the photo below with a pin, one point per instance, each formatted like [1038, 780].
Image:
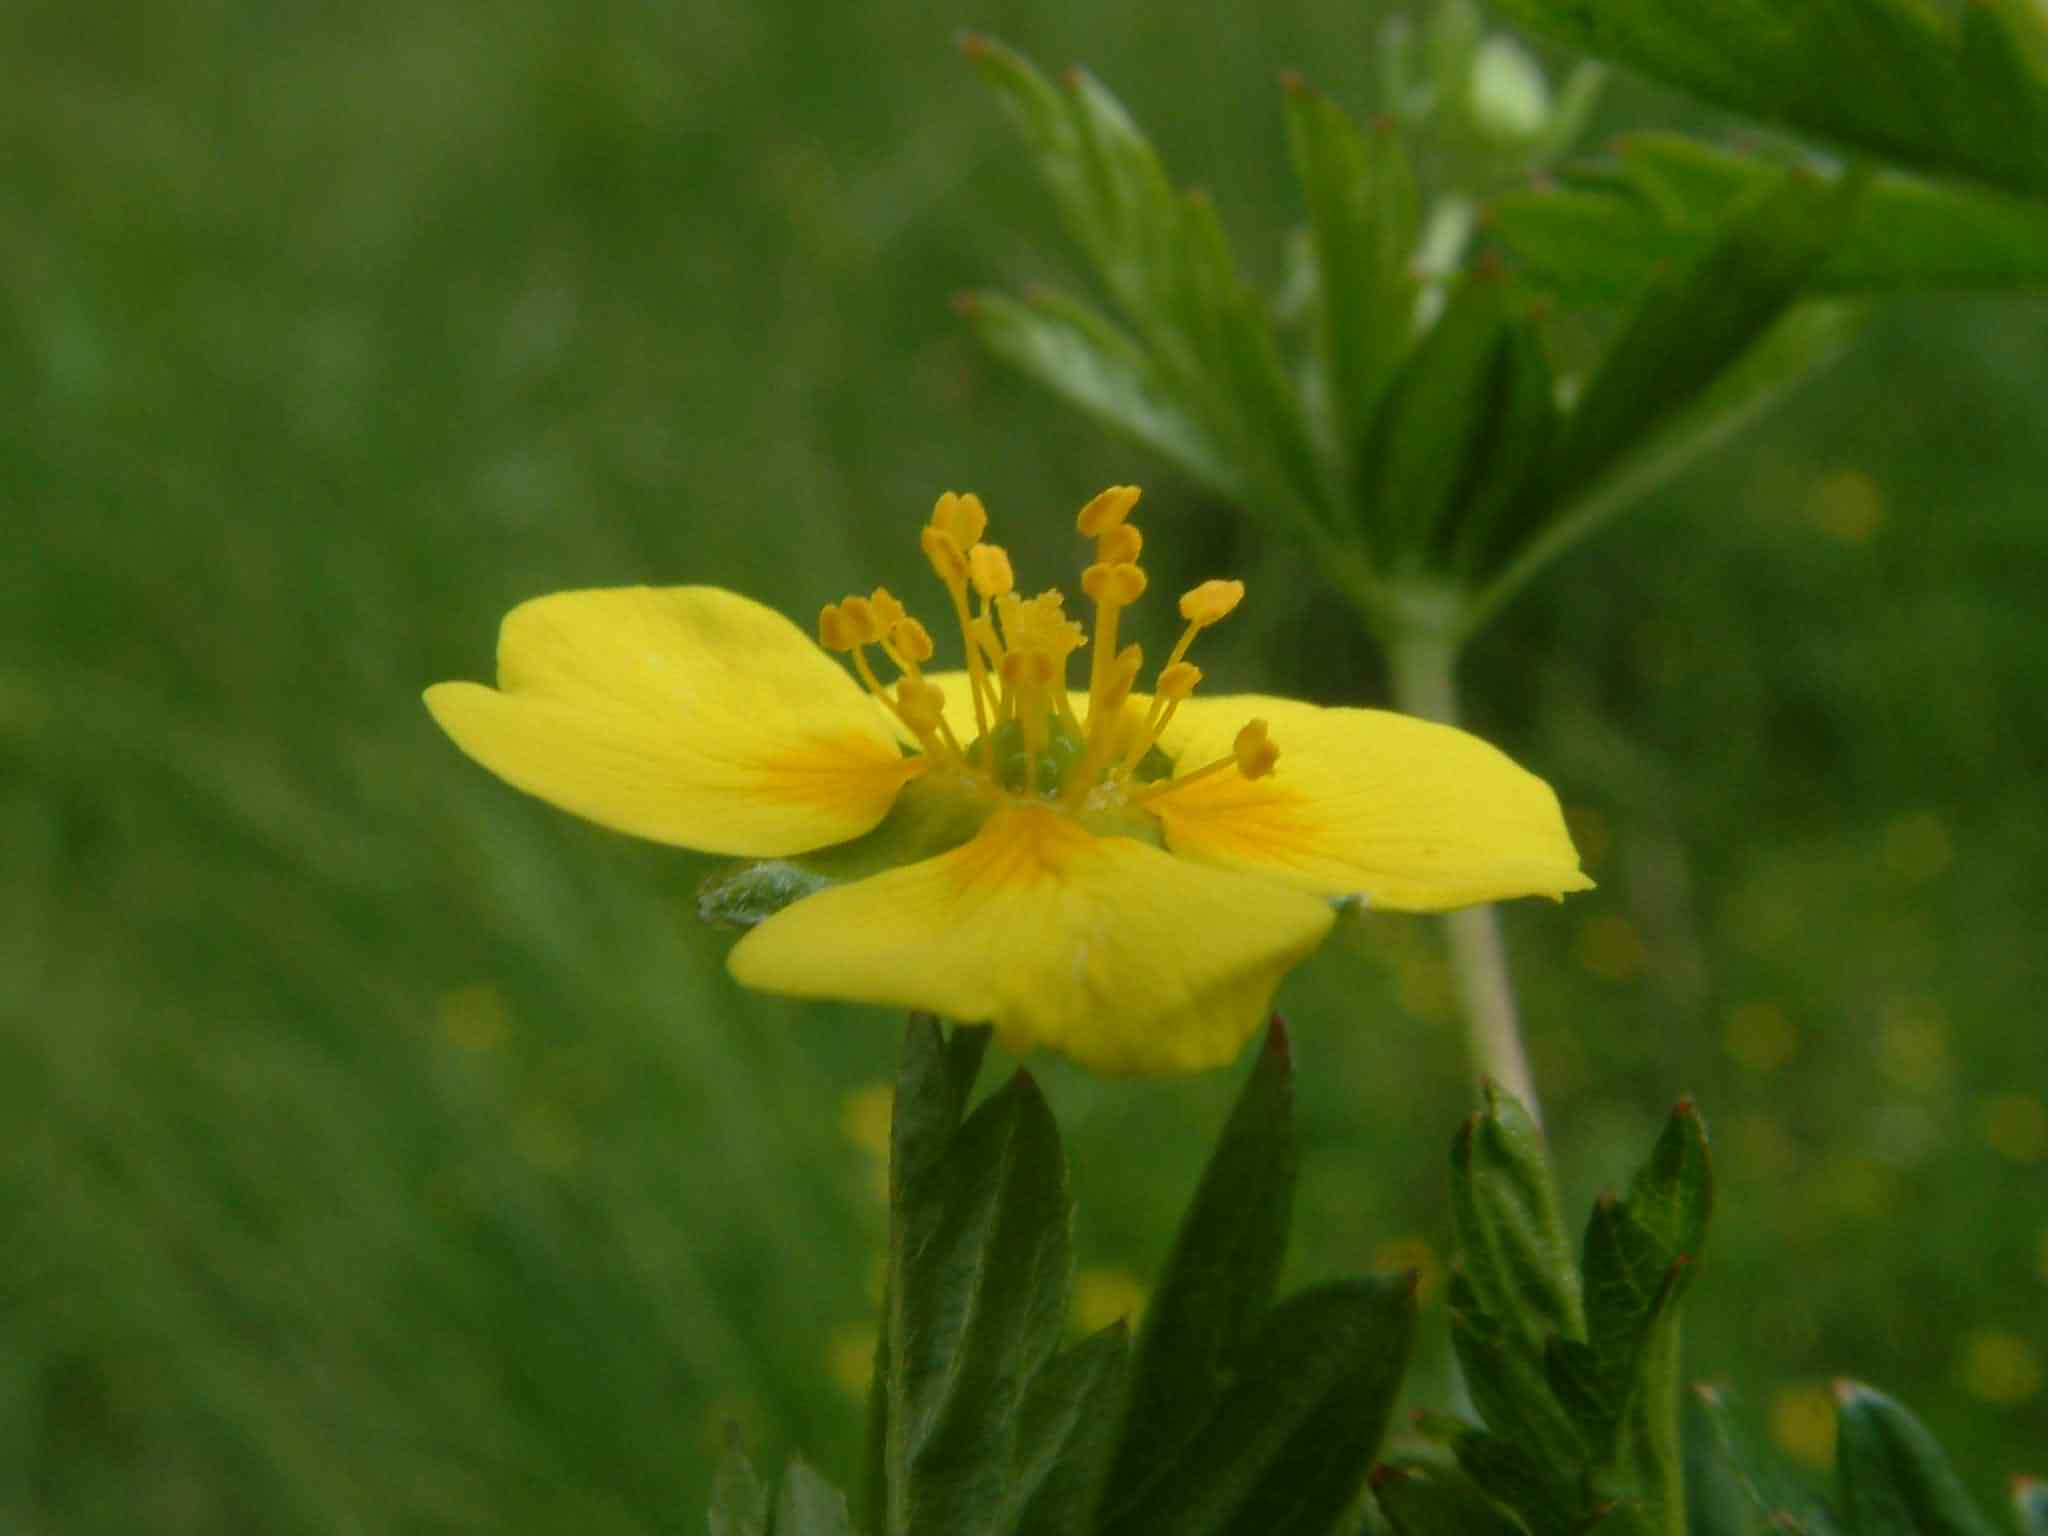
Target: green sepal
[1422, 1501]
[924, 821]
[1081, 356]
[1363, 210]
[1288, 1446]
[1511, 1235]
[739, 1500]
[1894, 1478]
[976, 1311]
[1070, 1420]
[1907, 81]
[2030, 1505]
[1219, 1279]
[807, 1505]
[1590, 231]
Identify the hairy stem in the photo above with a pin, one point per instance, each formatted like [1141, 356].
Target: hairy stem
[1421, 627]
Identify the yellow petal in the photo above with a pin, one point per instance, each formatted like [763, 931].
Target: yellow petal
[684, 714]
[1415, 816]
[1110, 950]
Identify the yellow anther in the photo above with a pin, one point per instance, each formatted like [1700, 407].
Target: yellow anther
[1254, 750]
[1211, 602]
[1120, 546]
[944, 552]
[921, 704]
[888, 611]
[989, 568]
[832, 629]
[962, 517]
[1176, 682]
[911, 640]
[1107, 510]
[858, 614]
[1114, 586]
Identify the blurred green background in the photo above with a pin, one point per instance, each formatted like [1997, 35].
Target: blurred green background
[384, 1151]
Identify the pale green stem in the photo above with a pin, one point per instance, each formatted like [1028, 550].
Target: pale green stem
[1421, 628]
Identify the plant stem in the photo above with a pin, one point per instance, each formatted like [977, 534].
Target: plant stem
[1421, 627]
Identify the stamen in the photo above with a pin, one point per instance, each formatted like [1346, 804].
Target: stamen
[948, 560]
[1253, 753]
[832, 631]
[961, 516]
[1112, 587]
[988, 566]
[1202, 606]
[1107, 707]
[1107, 510]
[1120, 546]
[1177, 679]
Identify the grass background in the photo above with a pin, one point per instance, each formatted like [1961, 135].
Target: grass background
[383, 1151]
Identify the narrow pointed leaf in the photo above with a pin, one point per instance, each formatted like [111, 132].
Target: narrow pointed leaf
[1495, 517]
[1722, 1495]
[808, 1505]
[1691, 323]
[1068, 1434]
[1590, 233]
[976, 1310]
[1080, 356]
[1287, 1448]
[1422, 1502]
[1895, 1479]
[1672, 1195]
[1543, 1496]
[1511, 1233]
[1907, 81]
[739, 1502]
[1362, 208]
[1220, 1277]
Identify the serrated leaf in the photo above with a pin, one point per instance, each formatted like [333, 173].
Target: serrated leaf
[1220, 1276]
[1543, 1496]
[1590, 233]
[1904, 80]
[1068, 1432]
[1690, 324]
[1510, 1230]
[2030, 1505]
[1082, 357]
[739, 1502]
[1287, 1448]
[1428, 448]
[1362, 207]
[808, 1505]
[1894, 1478]
[976, 1310]
[1421, 1502]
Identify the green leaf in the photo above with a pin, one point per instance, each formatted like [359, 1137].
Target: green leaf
[1541, 1494]
[1591, 233]
[1419, 1501]
[808, 1505]
[1220, 1276]
[1901, 79]
[976, 1309]
[1080, 356]
[1510, 1231]
[1071, 1417]
[1288, 1446]
[1722, 1494]
[1522, 428]
[1693, 322]
[1510, 1389]
[1895, 1480]
[2030, 1505]
[1362, 207]
[1672, 1195]
[739, 1503]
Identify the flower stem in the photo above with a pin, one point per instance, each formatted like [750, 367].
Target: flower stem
[1421, 627]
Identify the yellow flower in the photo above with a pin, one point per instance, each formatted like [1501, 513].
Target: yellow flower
[1119, 876]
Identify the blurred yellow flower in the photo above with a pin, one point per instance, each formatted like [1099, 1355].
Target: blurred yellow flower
[1119, 876]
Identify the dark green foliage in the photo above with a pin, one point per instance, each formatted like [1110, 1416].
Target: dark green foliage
[1896, 78]
[1591, 230]
[1894, 1479]
[1575, 1372]
[806, 1505]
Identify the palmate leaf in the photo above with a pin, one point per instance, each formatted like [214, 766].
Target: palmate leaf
[1590, 232]
[1899, 79]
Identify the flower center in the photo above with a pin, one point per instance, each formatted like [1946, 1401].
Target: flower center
[1028, 739]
